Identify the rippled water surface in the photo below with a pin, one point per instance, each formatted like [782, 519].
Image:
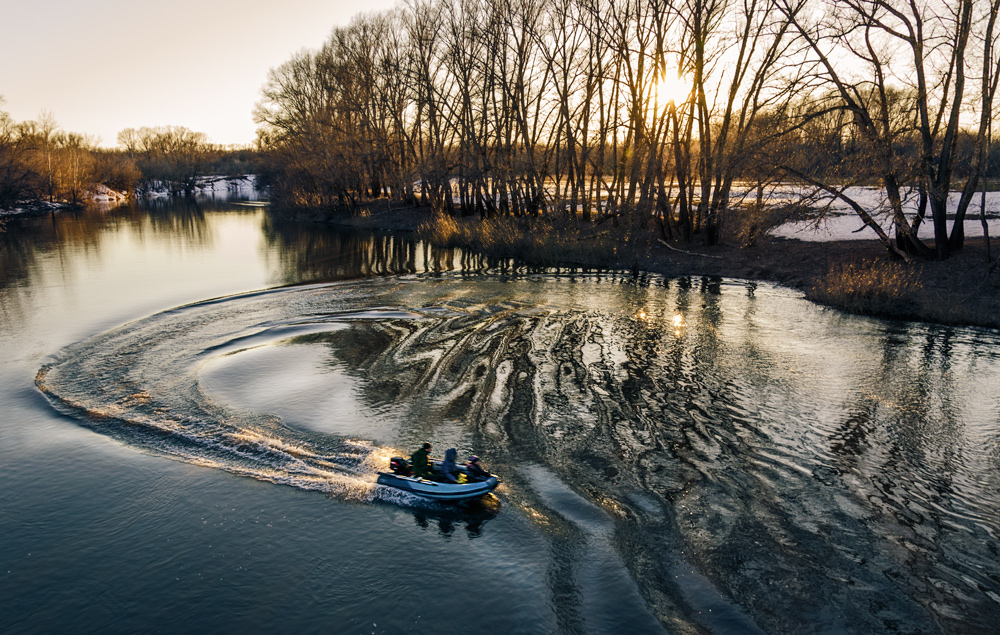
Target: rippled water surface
[199, 400]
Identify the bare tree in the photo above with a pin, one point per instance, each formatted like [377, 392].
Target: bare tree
[46, 129]
[736, 54]
[74, 164]
[989, 63]
[172, 155]
[18, 178]
[865, 50]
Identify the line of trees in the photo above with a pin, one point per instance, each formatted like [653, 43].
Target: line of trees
[40, 161]
[541, 107]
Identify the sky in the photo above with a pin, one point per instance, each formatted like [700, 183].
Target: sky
[99, 66]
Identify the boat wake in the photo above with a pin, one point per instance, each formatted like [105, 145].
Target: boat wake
[139, 384]
[707, 432]
[143, 383]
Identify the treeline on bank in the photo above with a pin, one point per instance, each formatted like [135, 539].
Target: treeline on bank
[571, 108]
[41, 162]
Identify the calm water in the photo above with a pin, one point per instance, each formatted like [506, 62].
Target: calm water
[196, 400]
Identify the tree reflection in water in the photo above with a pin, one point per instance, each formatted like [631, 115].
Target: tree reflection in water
[815, 469]
[761, 454]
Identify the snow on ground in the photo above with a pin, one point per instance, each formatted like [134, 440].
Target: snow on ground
[840, 222]
[213, 186]
[837, 222]
[243, 187]
[36, 207]
[849, 227]
[226, 187]
[104, 194]
[242, 183]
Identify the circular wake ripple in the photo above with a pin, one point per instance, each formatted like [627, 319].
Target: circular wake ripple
[139, 384]
[741, 429]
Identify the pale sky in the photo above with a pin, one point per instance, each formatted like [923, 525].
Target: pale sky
[103, 65]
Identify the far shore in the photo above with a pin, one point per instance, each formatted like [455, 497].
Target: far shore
[963, 290]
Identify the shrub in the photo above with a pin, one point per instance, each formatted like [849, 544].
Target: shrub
[869, 287]
[442, 230]
[531, 240]
[746, 225]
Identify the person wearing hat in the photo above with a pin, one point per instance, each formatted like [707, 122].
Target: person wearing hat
[475, 470]
[420, 461]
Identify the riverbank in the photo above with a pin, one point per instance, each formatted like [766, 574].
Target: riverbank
[35, 208]
[214, 186]
[852, 275]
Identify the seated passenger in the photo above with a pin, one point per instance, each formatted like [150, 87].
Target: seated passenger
[449, 470]
[475, 470]
[420, 462]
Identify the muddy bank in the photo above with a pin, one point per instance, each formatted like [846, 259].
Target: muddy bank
[961, 290]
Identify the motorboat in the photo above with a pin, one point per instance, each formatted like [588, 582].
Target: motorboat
[400, 477]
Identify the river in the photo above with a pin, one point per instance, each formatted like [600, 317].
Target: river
[196, 399]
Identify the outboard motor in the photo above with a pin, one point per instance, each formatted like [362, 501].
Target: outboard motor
[400, 466]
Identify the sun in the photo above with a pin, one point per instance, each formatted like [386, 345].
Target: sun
[673, 87]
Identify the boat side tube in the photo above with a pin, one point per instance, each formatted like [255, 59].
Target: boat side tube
[438, 491]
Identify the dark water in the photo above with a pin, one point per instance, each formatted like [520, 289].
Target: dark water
[677, 455]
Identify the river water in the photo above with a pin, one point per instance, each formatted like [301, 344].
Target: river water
[196, 400]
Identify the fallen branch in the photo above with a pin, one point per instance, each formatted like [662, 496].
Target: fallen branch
[689, 253]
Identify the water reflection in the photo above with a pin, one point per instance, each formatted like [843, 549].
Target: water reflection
[27, 239]
[183, 219]
[693, 428]
[910, 450]
[471, 517]
[315, 253]
[323, 253]
[731, 447]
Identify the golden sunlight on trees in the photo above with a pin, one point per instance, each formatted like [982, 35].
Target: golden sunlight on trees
[675, 114]
[171, 155]
[74, 163]
[900, 73]
[17, 178]
[40, 161]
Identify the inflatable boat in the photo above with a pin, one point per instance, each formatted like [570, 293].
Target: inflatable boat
[399, 478]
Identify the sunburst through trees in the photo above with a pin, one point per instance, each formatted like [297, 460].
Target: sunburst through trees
[671, 112]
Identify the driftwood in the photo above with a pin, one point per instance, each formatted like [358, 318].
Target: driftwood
[688, 253]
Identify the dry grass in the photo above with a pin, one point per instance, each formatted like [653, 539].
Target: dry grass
[535, 241]
[954, 291]
[748, 225]
[870, 287]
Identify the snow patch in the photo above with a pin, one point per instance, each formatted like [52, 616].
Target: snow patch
[840, 222]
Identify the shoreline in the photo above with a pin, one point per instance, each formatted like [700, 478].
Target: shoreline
[954, 292]
[38, 208]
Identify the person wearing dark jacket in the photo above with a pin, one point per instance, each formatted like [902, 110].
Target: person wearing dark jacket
[449, 470]
[475, 470]
[420, 461]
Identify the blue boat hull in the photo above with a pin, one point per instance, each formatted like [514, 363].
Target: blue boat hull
[438, 491]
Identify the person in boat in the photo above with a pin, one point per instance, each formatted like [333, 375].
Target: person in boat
[449, 470]
[476, 471]
[420, 461]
